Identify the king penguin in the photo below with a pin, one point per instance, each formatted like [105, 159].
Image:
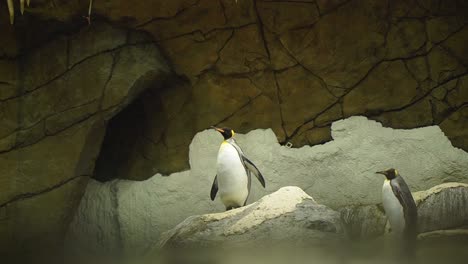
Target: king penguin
[234, 170]
[400, 209]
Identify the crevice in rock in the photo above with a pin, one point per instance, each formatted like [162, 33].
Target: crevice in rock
[178, 13]
[451, 111]
[206, 35]
[413, 102]
[223, 8]
[115, 59]
[250, 101]
[28, 195]
[373, 115]
[78, 122]
[261, 31]
[70, 68]
[280, 102]
[122, 134]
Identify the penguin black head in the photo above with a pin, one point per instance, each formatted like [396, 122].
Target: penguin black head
[390, 173]
[225, 131]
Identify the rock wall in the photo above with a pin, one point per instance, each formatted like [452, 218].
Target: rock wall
[296, 67]
[304, 63]
[55, 101]
[127, 216]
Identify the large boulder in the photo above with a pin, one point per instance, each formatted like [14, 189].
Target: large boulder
[287, 215]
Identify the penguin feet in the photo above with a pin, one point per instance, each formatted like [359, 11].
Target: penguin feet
[231, 207]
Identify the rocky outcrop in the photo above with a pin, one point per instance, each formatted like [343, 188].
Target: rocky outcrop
[54, 105]
[444, 206]
[288, 215]
[339, 173]
[440, 209]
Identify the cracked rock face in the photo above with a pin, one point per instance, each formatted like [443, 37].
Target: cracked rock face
[287, 215]
[403, 63]
[54, 110]
[337, 174]
[296, 67]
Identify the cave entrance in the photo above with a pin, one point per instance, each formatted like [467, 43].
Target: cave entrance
[121, 138]
[134, 145]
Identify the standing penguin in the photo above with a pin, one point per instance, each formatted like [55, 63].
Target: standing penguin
[233, 172]
[400, 209]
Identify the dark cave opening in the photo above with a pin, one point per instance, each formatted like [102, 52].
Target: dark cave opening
[122, 134]
[134, 145]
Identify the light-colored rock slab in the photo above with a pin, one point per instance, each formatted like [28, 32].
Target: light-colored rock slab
[288, 214]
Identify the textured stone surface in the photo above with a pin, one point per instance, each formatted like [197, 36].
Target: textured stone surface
[363, 222]
[337, 174]
[456, 124]
[374, 95]
[288, 214]
[402, 63]
[54, 103]
[100, 224]
[393, 63]
[442, 207]
[35, 224]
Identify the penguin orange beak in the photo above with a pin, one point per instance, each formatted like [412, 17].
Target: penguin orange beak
[217, 129]
[381, 172]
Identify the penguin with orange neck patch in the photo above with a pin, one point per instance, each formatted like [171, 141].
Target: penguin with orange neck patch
[233, 178]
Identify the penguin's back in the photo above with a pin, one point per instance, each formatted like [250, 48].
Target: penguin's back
[232, 176]
[393, 208]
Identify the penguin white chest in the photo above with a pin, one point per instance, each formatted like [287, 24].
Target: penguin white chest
[393, 209]
[232, 177]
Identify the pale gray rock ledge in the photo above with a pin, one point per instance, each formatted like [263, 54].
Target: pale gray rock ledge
[287, 215]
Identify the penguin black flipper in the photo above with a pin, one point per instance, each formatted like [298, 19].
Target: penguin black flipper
[410, 212]
[248, 165]
[251, 167]
[214, 188]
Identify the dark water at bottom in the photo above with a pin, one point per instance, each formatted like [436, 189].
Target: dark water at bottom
[379, 251]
